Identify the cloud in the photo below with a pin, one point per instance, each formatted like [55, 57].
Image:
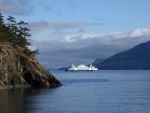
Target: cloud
[63, 48]
[46, 7]
[71, 5]
[17, 7]
[140, 32]
[41, 26]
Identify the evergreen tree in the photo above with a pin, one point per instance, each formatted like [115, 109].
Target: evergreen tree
[16, 33]
[1, 18]
[3, 29]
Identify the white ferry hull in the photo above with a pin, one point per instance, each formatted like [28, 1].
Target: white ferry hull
[80, 70]
[82, 67]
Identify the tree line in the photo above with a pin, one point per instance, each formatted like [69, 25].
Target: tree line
[16, 33]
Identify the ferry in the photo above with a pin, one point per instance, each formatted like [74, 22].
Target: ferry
[82, 67]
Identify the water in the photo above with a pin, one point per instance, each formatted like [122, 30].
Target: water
[84, 92]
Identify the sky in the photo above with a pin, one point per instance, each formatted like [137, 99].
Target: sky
[78, 31]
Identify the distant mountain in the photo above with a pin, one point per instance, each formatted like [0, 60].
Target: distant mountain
[97, 61]
[63, 68]
[136, 58]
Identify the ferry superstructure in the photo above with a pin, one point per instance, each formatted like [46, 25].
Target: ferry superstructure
[82, 67]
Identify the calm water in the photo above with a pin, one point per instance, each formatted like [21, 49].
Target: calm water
[84, 92]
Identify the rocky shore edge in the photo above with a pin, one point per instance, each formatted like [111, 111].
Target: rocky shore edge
[18, 70]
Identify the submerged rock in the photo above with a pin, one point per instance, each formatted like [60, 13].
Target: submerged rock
[17, 69]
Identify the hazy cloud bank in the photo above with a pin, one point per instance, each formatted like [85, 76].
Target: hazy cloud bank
[65, 48]
[16, 7]
[41, 26]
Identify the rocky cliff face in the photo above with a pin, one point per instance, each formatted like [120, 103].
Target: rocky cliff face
[17, 69]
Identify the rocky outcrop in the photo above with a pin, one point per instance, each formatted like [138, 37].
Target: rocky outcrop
[17, 69]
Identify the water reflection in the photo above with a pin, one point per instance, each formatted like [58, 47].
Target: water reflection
[72, 81]
[14, 100]
[103, 92]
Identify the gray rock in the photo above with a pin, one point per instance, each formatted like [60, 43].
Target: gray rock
[17, 69]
